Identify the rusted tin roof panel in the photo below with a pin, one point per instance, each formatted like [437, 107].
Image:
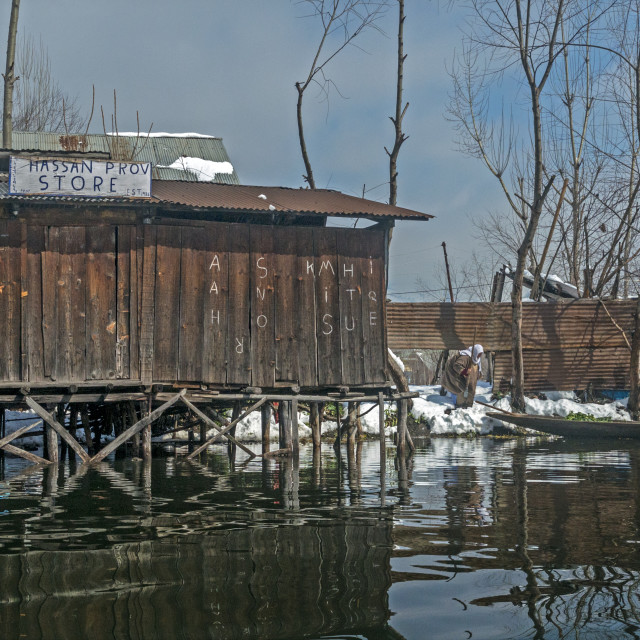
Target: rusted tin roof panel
[558, 325]
[567, 369]
[206, 195]
[160, 150]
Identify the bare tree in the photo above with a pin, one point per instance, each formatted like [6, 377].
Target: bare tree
[518, 43]
[9, 76]
[40, 103]
[400, 111]
[342, 22]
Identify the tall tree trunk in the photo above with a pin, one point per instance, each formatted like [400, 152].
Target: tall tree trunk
[9, 77]
[634, 393]
[303, 144]
[400, 111]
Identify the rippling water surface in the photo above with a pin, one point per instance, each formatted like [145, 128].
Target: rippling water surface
[470, 539]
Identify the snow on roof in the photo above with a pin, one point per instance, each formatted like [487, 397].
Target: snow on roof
[205, 170]
[159, 134]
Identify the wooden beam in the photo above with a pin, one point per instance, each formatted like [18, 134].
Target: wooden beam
[17, 433]
[58, 428]
[138, 426]
[222, 432]
[32, 457]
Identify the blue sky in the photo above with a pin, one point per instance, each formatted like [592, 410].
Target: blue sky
[228, 68]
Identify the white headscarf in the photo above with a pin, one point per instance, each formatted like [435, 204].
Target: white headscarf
[474, 353]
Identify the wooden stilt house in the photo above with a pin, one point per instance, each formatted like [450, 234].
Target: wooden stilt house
[113, 283]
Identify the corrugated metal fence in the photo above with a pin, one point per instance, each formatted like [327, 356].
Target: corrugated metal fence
[567, 345]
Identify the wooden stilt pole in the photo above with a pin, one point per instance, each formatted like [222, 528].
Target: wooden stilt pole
[338, 441]
[146, 433]
[86, 425]
[352, 424]
[3, 429]
[265, 415]
[295, 436]
[286, 424]
[402, 427]
[60, 417]
[132, 418]
[73, 426]
[52, 444]
[315, 422]
[235, 414]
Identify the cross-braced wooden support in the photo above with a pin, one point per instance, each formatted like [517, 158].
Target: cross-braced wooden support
[137, 427]
[58, 428]
[222, 431]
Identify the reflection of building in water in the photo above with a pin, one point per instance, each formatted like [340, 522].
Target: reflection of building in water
[278, 582]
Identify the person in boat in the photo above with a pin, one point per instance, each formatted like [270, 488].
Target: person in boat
[461, 375]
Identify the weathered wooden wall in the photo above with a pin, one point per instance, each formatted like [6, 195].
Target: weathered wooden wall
[566, 345]
[205, 302]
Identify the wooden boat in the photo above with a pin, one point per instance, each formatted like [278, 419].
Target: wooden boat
[571, 428]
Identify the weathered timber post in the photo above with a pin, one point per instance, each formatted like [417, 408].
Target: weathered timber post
[295, 435]
[383, 448]
[265, 418]
[359, 428]
[60, 416]
[316, 409]
[338, 442]
[3, 428]
[235, 414]
[352, 419]
[203, 432]
[402, 427]
[132, 416]
[51, 438]
[146, 434]
[73, 426]
[285, 417]
[86, 424]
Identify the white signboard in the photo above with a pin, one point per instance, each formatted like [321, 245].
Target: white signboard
[79, 177]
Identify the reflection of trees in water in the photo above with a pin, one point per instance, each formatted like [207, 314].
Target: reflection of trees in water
[563, 600]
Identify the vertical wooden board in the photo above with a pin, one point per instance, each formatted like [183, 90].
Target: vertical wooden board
[327, 307]
[123, 301]
[373, 316]
[24, 310]
[238, 316]
[33, 299]
[287, 311]
[71, 311]
[102, 316]
[10, 308]
[135, 279]
[146, 295]
[216, 303]
[305, 309]
[350, 267]
[262, 282]
[167, 304]
[50, 276]
[192, 285]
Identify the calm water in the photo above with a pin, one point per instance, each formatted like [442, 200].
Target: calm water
[474, 539]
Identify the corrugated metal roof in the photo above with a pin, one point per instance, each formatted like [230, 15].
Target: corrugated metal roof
[206, 195]
[242, 199]
[159, 150]
[548, 325]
